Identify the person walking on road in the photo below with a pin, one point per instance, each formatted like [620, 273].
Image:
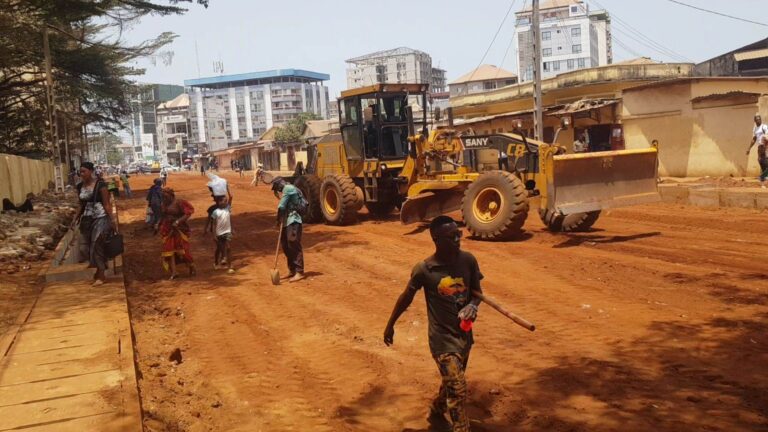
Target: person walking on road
[174, 229]
[448, 277]
[126, 185]
[290, 237]
[95, 220]
[155, 201]
[221, 219]
[760, 137]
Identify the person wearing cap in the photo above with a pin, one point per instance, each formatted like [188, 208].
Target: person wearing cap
[760, 137]
[290, 235]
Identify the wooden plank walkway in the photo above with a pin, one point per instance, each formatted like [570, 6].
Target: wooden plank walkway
[68, 366]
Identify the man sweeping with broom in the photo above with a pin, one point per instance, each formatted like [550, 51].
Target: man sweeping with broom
[449, 278]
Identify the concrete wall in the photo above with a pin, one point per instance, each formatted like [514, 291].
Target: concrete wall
[707, 138]
[20, 176]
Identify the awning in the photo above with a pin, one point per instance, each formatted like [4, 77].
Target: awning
[583, 105]
[751, 55]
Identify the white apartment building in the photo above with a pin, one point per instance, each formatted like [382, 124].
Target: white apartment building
[399, 65]
[572, 37]
[173, 131]
[229, 110]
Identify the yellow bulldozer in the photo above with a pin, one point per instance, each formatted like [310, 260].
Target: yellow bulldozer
[383, 159]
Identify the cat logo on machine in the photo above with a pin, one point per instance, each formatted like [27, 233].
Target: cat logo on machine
[475, 142]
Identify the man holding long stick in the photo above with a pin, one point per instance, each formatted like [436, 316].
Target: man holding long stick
[448, 277]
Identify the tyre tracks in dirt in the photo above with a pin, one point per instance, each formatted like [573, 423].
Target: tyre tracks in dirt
[635, 322]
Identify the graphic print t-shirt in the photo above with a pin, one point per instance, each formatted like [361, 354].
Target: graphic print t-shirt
[447, 289]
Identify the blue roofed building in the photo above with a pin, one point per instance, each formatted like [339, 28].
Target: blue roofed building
[232, 110]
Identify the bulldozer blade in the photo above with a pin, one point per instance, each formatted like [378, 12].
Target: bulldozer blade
[429, 205]
[601, 180]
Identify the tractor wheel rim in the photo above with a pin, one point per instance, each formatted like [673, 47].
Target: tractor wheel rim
[331, 201]
[487, 205]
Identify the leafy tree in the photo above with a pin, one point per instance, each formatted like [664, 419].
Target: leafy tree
[292, 130]
[90, 63]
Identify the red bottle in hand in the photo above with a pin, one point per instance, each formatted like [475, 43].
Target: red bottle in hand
[466, 325]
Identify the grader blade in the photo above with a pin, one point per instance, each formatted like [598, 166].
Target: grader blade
[428, 205]
[595, 181]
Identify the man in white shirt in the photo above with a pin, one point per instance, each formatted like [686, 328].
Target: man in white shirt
[221, 218]
[760, 137]
[581, 144]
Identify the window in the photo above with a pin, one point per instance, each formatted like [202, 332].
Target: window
[577, 48]
[574, 9]
[582, 63]
[546, 52]
[546, 35]
[576, 32]
[546, 66]
[571, 63]
[556, 65]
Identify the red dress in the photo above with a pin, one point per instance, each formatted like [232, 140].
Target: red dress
[176, 239]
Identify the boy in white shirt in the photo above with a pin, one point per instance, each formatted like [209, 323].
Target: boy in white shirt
[221, 218]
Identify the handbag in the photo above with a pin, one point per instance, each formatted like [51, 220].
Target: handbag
[113, 246]
[148, 219]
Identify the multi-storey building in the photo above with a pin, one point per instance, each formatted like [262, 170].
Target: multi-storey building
[399, 65]
[144, 102]
[173, 131]
[229, 110]
[572, 37]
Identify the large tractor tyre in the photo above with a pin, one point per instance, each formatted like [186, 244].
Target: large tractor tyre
[380, 209]
[338, 200]
[495, 206]
[309, 185]
[576, 222]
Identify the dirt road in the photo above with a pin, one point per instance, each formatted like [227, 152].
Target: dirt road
[656, 320]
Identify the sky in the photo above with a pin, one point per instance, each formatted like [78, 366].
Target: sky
[319, 35]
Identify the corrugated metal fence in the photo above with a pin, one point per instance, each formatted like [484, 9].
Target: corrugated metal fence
[20, 176]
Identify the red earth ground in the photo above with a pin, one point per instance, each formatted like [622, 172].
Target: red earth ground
[655, 321]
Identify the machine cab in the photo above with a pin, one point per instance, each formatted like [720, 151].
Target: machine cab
[373, 120]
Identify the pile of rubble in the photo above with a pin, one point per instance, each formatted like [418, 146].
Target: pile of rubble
[25, 237]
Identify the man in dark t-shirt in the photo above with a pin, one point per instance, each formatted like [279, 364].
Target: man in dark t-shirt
[448, 277]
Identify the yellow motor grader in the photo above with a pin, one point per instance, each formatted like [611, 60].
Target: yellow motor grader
[382, 158]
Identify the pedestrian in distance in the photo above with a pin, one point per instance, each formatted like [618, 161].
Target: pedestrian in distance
[95, 220]
[113, 187]
[221, 220]
[155, 201]
[258, 174]
[289, 215]
[126, 184]
[448, 277]
[760, 137]
[164, 176]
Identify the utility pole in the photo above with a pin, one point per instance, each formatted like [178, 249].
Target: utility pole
[538, 121]
[53, 120]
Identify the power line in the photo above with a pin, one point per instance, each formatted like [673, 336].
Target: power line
[650, 43]
[511, 40]
[718, 13]
[498, 30]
